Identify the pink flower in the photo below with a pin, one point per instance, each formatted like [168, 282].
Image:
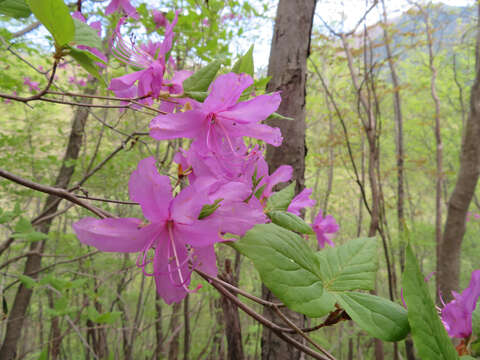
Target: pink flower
[33, 85]
[325, 228]
[159, 19]
[457, 314]
[179, 241]
[150, 58]
[124, 5]
[220, 119]
[205, 22]
[301, 201]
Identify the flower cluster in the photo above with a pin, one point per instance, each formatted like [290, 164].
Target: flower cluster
[225, 182]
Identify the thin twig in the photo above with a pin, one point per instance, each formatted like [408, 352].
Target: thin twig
[62, 193]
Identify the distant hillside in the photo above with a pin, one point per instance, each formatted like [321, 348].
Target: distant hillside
[451, 25]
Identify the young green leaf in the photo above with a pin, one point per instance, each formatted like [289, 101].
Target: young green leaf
[27, 281]
[86, 62]
[15, 8]
[476, 320]
[281, 199]
[201, 80]
[290, 221]
[196, 95]
[278, 116]
[108, 317]
[85, 35]
[287, 267]
[54, 14]
[209, 209]
[245, 63]
[351, 266]
[428, 332]
[379, 317]
[307, 282]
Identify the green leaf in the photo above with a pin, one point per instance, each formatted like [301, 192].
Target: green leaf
[290, 221]
[261, 84]
[245, 63]
[25, 230]
[201, 80]
[259, 191]
[86, 62]
[278, 116]
[61, 304]
[281, 199]
[428, 332]
[15, 8]
[209, 209]
[196, 95]
[351, 266]
[379, 317]
[44, 354]
[476, 320]
[23, 226]
[27, 281]
[54, 14]
[85, 35]
[467, 357]
[108, 317]
[287, 267]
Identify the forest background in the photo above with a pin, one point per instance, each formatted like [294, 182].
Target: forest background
[89, 304]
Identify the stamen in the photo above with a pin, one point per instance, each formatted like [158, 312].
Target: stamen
[178, 270]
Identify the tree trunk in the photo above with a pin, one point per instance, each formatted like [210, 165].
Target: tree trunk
[233, 329]
[186, 327]
[55, 334]
[33, 263]
[288, 69]
[438, 143]
[158, 327]
[449, 261]
[173, 350]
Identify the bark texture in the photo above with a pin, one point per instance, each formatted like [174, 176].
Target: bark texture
[22, 297]
[233, 329]
[449, 254]
[288, 69]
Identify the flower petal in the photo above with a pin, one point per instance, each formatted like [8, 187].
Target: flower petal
[282, 174]
[152, 190]
[126, 81]
[226, 90]
[172, 126]
[205, 259]
[254, 110]
[301, 201]
[170, 286]
[113, 235]
[270, 135]
[198, 234]
[186, 206]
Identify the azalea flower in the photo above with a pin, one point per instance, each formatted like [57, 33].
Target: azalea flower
[325, 228]
[301, 201]
[457, 314]
[33, 85]
[179, 241]
[150, 58]
[220, 119]
[124, 5]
